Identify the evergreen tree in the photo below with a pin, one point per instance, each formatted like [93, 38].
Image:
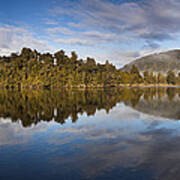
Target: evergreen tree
[171, 78]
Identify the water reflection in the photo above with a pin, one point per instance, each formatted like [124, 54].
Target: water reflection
[116, 135]
[31, 107]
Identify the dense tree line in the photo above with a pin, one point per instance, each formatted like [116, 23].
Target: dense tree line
[33, 70]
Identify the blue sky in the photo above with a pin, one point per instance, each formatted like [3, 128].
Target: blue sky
[118, 30]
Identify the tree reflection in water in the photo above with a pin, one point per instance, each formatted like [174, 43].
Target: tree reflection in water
[31, 107]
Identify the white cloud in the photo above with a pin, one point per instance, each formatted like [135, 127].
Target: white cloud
[50, 22]
[59, 30]
[74, 41]
[76, 25]
[13, 38]
[144, 20]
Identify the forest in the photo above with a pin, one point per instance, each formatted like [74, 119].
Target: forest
[32, 69]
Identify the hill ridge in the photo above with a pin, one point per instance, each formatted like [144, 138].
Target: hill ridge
[157, 62]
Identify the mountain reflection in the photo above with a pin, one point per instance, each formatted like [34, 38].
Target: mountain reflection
[31, 107]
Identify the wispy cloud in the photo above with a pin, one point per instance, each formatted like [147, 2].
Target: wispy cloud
[74, 41]
[50, 22]
[154, 20]
[59, 30]
[13, 38]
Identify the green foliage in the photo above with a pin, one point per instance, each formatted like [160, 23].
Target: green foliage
[136, 77]
[161, 79]
[32, 69]
[171, 78]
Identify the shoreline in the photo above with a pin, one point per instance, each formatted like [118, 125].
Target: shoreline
[82, 86]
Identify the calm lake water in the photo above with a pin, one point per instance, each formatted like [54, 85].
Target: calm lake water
[119, 133]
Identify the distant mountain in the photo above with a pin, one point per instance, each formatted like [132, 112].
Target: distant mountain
[161, 62]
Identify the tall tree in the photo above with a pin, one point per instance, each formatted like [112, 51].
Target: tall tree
[171, 78]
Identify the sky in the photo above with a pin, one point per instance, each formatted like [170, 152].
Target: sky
[117, 30]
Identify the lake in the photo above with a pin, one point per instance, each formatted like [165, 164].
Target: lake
[101, 134]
